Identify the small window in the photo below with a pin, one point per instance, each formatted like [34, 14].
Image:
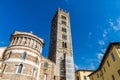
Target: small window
[97, 75]
[63, 22]
[64, 44]
[45, 65]
[119, 72]
[77, 77]
[113, 57]
[64, 37]
[64, 30]
[113, 78]
[63, 17]
[104, 69]
[108, 63]
[24, 55]
[54, 77]
[20, 68]
[85, 77]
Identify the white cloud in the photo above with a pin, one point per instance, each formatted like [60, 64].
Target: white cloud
[105, 33]
[90, 33]
[111, 23]
[117, 26]
[76, 67]
[103, 50]
[100, 56]
[101, 42]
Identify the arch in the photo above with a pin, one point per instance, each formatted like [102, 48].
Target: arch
[24, 55]
[20, 68]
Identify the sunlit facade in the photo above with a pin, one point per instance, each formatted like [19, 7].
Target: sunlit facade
[109, 68]
[82, 74]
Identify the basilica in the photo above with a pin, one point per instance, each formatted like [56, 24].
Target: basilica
[22, 59]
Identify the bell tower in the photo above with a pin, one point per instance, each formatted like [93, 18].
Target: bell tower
[60, 50]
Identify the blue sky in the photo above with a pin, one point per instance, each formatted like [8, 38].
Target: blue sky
[94, 24]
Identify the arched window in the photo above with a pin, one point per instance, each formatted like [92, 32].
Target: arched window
[64, 44]
[24, 55]
[20, 68]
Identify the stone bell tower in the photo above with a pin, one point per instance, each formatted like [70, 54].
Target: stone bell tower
[60, 50]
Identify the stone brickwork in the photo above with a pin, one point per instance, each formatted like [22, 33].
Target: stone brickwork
[47, 69]
[23, 60]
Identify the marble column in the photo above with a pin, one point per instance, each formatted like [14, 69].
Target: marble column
[15, 40]
[34, 44]
[18, 40]
[21, 40]
[11, 43]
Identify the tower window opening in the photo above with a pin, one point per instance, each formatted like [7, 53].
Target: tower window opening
[20, 68]
[63, 17]
[64, 29]
[63, 22]
[64, 44]
[64, 37]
